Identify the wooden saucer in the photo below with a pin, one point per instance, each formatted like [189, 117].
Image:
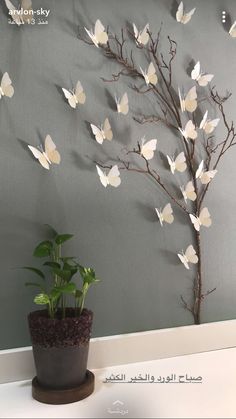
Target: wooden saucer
[71, 395]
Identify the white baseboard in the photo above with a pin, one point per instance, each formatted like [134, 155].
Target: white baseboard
[17, 364]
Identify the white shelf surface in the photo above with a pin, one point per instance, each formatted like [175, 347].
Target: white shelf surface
[213, 398]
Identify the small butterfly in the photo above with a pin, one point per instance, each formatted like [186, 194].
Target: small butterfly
[182, 17]
[165, 215]
[99, 36]
[122, 104]
[201, 78]
[188, 192]
[232, 30]
[190, 102]
[189, 131]
[189, 256]
[204, 176]
[178, 164]
[49, 155]
[23, 13]
[203, 219]
[112, 178]
[102, 133]
[208, 125]
[142, 37]
[75, 96]
[148, 148]
[150, 74]
[6, 88]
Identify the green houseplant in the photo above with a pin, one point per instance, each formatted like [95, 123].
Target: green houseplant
[60, 332]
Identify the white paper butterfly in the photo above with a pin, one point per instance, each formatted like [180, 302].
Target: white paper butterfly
[201, 78]
[148, 148]
[6, 88]
[190, 102]
[189, 256]
[122, 104]
[102, 133]
[204, 176]
[149, 75]
[232, 30]
[22, 16]
[188, 191]
[165, 215]
[49, 155]
[75, 96]
[178, 164]
[208, 125]
[141, 37]
[99, 36]
[182, 17]
[189, 131]
[204, 219]
[112, 178]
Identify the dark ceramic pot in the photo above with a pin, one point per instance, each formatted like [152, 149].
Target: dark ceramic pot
[60, 348]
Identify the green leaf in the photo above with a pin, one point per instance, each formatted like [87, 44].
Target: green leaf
[53, 264]
[42, 299]
[78, 294]
[34, 284]
[61, 238]
[64, 274]
[43, 249]
[55, 294]
[35, 270]
[68, 288]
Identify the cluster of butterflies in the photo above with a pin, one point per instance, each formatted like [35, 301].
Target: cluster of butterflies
[204, 219]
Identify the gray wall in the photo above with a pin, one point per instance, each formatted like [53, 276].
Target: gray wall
[116, 229]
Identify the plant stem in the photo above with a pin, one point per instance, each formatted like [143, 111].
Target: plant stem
[198, 282]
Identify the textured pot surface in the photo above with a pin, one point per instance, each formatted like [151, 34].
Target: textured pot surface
[60, 347]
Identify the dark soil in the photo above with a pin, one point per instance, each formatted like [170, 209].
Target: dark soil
[68, 332]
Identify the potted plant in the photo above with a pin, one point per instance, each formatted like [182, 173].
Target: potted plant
[60, 332]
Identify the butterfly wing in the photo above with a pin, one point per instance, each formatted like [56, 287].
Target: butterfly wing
[181, 101]
[114, 177]
[206, 177]
[190, 130]
[147, 150]
[195, 221]
[187, 16]
[97, 133]
[191, 255]
[100, 33]
[180, 162]
[199, 170]
[203, 121]
[51, 151]
[184, 193]
[196, 71]
[108, 134]
[143, 37]
[102, 176]
[232, 30]
[17, 18]
[151, 74]
[167, 214]
[205, 217]
[136, 32]
[123, 104]
[70, 97]
[27, 6]
[183, 259]
[171, 164]
[159, 214]
[190, 191]
[190, 100]
[205, 79]
[39, 156]
[6, 85]
[211, 125]
[79, 93]
[180, 12]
